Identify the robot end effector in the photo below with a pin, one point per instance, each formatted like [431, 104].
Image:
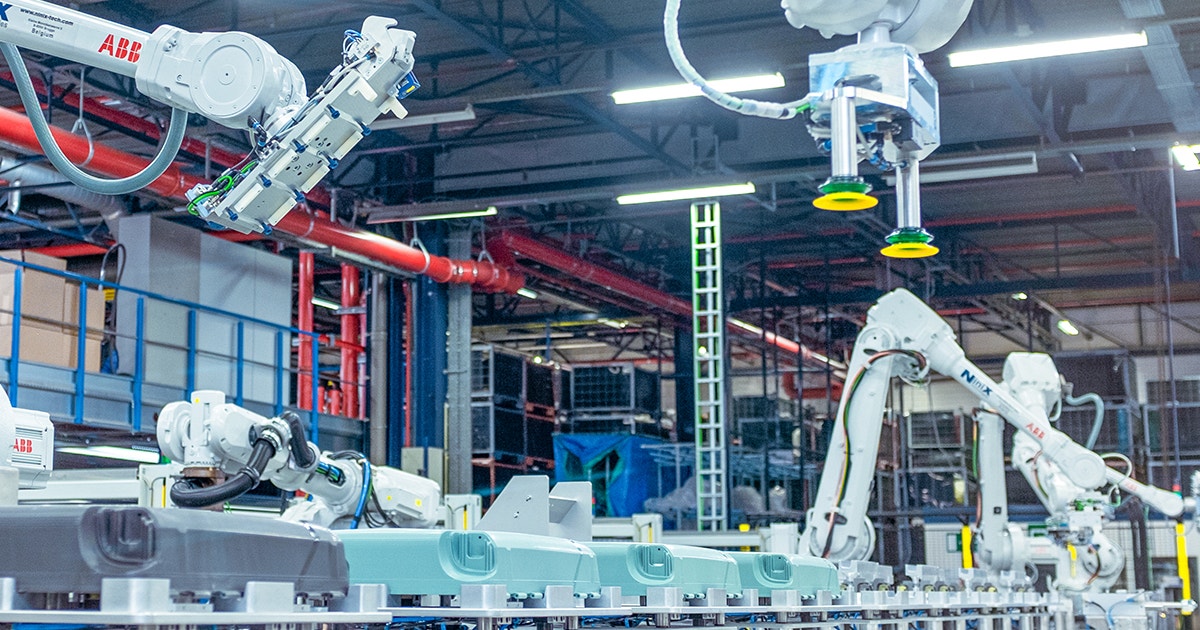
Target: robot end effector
[234, 79]
[212, 439]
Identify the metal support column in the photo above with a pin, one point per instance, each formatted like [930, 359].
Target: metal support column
[458, 374]
[397, 371]
[708, 334]
[378, 380]
[429, 353]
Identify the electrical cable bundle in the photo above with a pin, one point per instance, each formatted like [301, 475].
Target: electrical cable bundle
[844, 421]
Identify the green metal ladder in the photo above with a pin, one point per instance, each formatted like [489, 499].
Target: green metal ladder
[708, 335]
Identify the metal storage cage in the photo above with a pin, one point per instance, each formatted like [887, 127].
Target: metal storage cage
[1110, 374]
[497, 431]
[497, 376]
[539, 387]
[618, 387]
[508, 379]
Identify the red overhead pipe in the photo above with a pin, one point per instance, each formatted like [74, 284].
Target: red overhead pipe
[70, 251]
[481, 274]
[351, 299]
[16, 130]
[141, 126]
[593, 274]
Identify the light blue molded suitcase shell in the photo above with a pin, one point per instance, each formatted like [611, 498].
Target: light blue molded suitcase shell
[780, 572]
[431, 562]
[636, 566]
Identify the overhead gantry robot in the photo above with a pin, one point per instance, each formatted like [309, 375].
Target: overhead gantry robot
[872, 101]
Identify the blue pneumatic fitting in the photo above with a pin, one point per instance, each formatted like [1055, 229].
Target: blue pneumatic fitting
[300, 148]
[333, 112]
[232, 215]
[264, 181]
[331, 162]
[299, 196]
[266, 229]
[408, 85]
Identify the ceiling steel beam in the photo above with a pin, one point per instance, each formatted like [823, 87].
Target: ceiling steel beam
[1166, 64]
[1146, 280]
[544, 80]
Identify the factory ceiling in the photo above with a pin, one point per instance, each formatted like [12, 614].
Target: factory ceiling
[1088, 234]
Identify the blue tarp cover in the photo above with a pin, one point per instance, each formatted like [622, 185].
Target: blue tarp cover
[633, 479]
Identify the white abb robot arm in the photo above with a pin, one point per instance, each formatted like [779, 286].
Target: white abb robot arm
[904, 337]
[1085, 559]
[234, 79]
[213, 439]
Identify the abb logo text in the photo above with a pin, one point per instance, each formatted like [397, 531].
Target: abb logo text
[1037, 432]
[23, 445]
[122, 48]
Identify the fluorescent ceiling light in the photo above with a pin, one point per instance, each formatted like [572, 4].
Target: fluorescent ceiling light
[113, 452]
[1046, 49]
[1067, 327]
[613, 323]
[1186, 156]
[1020, 296]
[687, 90]
[975, 167]
[529, 294]
[489, 211]
[750, 328]
[687, 193]
[573, 345]
[424, 119]
[323, 303]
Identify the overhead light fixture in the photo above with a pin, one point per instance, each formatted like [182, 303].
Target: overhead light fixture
[687, 90]
[527, 293]
[422, 120]
[573, 345]
[613, 323]
[113, 452]
[1067, 327]
[687, 193]
[1188, 157]
[323, 303]
[1020, 296]
[748, 327]
[489, 211]
[1046, 49]
[975, 167]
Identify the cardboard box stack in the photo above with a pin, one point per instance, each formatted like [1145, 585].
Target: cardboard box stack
[49, 314]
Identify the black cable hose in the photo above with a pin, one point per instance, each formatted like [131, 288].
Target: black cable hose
[304, 456]
[188, 492]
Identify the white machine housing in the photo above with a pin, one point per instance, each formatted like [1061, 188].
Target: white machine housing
[26, 443]
[925, 25]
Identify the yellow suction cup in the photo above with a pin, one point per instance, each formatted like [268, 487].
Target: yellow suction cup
[909, 242]
[909, 250]
[845, 201]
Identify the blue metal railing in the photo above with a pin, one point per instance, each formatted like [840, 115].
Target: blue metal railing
[309, 342]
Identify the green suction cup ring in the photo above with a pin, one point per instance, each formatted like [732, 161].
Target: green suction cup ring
[851, 185]
[909, 235]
